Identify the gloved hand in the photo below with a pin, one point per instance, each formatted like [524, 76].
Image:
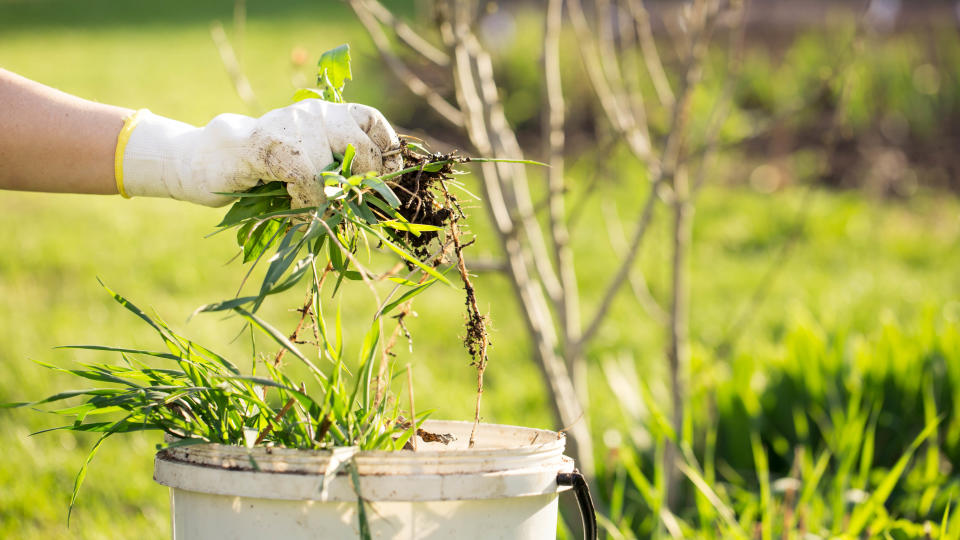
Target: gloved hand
[167, 158]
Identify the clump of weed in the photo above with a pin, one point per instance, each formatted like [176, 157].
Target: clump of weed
[204, 398]
[420, 193]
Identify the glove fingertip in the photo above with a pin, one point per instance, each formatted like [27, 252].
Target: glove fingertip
[375, 125]
[368, 158]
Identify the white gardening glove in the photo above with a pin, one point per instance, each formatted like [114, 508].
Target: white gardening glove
[167, 158]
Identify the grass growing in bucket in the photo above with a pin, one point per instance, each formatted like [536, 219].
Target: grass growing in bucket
[198, 396]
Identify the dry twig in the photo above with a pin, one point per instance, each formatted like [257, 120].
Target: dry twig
[229, 58]
[413, 414]
[366, 10]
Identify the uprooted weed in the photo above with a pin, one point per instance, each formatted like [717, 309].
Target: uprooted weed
[421, 194]
[426, 199]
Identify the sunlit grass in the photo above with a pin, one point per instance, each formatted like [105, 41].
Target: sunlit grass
[858, 264]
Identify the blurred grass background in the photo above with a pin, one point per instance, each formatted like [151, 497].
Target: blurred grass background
[863, 267]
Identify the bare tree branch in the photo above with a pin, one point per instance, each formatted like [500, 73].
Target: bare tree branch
[721, 109]
[631, 98]
[483, 117]
[648, 48]
[363, 10]
[229, 58]
[638, 281]
[407, 35]
[671, 156]
[486, 264]
[616, 113]
[629, 56]
[568, 307]
[623, 271]
[700, 22]
[678, 350]
[505, 145]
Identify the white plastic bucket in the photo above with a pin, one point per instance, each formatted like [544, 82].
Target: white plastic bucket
[504, 487]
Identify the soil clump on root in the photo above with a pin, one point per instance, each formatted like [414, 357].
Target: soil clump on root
[423, 198]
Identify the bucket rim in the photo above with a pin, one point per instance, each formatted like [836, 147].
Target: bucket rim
[520, 469]
[539, 442]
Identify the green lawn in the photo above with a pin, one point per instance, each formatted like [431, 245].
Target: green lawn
[857, 261]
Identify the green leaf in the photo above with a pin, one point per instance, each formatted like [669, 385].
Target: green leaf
[262, 237]
[243, 232]
[286, 254]
[365, 533]
[164, 333]
[406, 296]
[273, 192]
[272, 384]
[62, 395]
[306, 93]
[367, 352]
[82, 473]
[348, 155]
[275, 188]
[401, 172]
[383, 206]
[246, 208]
[406, 256]
[156, 354]
[383, 189]
[413, 228]
[362, 211]
[196, 347]
[226, 304]
[279, 338]
[336, 257]
[295, 275]
[334, 65]
[865, 512]
[284, 212]
[435, 167]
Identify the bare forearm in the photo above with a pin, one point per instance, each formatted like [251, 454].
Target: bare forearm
[52, 141]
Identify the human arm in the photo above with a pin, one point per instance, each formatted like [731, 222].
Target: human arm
[55, 142]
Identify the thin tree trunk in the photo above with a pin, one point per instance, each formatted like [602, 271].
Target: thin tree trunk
[679, 349]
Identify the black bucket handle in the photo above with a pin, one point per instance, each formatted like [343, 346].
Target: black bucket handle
[588, 512]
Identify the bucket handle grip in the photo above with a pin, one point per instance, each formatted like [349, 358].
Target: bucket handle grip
[587, 511]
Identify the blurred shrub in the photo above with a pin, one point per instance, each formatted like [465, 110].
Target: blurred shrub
[898, 125]
[912, 76]
[823, 384]
[820, 435]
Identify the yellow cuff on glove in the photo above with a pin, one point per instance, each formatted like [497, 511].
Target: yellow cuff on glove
[128, 124]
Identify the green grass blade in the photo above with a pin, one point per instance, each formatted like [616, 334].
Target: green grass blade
[60, 396]
[865, 512]
[402, 253]
[361, 504]
[763, 478]
[726, 513]
[410, 294]
[383, 189]
[347, 163]
[501, 160]
[82, 473]
[281, 339]
[155, 354]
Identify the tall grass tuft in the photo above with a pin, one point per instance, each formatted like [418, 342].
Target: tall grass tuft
[836, 435]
